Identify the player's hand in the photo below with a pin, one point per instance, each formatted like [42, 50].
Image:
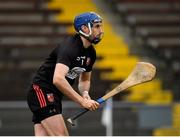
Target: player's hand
[85, 95]
[90, 104]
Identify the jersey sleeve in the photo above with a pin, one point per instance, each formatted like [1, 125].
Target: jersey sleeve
[89, 68]
[91, 61]
[64, 56]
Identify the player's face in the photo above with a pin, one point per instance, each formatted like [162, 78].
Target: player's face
[97, 30]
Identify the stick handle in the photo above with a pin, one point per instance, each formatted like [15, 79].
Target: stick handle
[83, 110]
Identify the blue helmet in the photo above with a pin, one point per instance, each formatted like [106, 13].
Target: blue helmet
[85, 19]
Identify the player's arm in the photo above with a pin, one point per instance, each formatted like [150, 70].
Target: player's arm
[62, 84]
[84, 84]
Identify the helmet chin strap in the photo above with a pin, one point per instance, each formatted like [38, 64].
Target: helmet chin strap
[84, 34]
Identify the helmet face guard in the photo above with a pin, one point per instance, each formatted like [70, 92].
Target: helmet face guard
[88, 19]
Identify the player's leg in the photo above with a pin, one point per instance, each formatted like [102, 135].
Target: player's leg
[55, 125]
[39, 130]
[46, 108]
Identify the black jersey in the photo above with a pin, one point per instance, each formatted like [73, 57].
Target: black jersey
[71, 53]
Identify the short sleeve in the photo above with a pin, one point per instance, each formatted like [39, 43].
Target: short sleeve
[91, 60]
[89, 68]
[64, 56]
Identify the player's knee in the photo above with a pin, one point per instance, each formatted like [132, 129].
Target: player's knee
[60, 132]
[56, 131]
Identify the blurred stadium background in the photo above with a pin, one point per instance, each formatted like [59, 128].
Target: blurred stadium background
[135, 30]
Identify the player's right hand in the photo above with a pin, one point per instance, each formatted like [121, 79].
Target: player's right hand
[90, 104]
